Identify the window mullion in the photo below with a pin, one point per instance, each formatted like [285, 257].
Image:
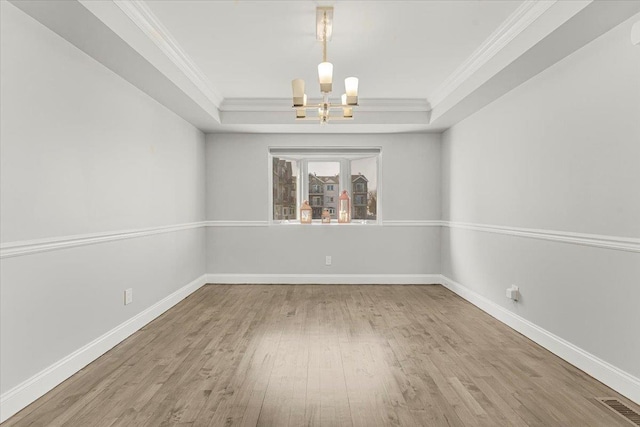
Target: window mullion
[304, 180]
[345, 176]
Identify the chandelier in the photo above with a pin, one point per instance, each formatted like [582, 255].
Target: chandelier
[326, 109]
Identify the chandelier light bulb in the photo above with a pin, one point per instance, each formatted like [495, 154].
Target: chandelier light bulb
[325, 76]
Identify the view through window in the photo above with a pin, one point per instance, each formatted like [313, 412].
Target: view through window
[285, 189]
[364, 188]
[320, 177]
[324, 185]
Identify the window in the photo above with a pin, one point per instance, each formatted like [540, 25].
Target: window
[319, 175]
[284, 188]
[364, 180]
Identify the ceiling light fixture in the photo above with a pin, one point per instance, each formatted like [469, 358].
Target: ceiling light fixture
[324, 29]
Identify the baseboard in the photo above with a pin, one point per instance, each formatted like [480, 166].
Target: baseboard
[326, 279]
[619, 380]
[27, 392]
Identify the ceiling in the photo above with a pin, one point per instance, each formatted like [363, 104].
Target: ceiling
[227, 66]
[398, 49]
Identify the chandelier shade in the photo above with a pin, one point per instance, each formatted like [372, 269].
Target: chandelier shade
[351, 87]
[341, 110]
[325, 76]
[298, 92]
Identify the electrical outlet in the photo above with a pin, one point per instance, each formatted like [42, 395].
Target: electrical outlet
[128, 296]
[327, 260]
[513, 293]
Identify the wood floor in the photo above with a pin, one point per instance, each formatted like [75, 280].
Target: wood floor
[278, 355]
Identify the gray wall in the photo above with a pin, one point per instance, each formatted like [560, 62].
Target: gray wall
[238, 190]
[561, 152]
[83, 152]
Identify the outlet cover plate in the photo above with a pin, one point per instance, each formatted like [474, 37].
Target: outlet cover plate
[128, 296]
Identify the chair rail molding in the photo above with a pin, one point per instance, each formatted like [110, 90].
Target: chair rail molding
[230, 223]
[412, 223]
[385, 223]
[27, 247]
[630, 244]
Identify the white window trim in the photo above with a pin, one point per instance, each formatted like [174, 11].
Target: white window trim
[344, 155]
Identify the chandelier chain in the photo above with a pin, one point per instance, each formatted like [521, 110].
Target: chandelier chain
[324, 37]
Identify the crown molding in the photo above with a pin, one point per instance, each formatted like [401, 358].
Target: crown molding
[257, 104]
[143, 18]
[516, 23]
[284, 104]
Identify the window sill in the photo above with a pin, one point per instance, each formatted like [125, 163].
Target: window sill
[353, 223]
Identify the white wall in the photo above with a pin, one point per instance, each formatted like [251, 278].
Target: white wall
[561, 152]
[84, 152]
[238, 190]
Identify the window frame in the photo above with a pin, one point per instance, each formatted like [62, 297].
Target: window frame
[344, 155]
